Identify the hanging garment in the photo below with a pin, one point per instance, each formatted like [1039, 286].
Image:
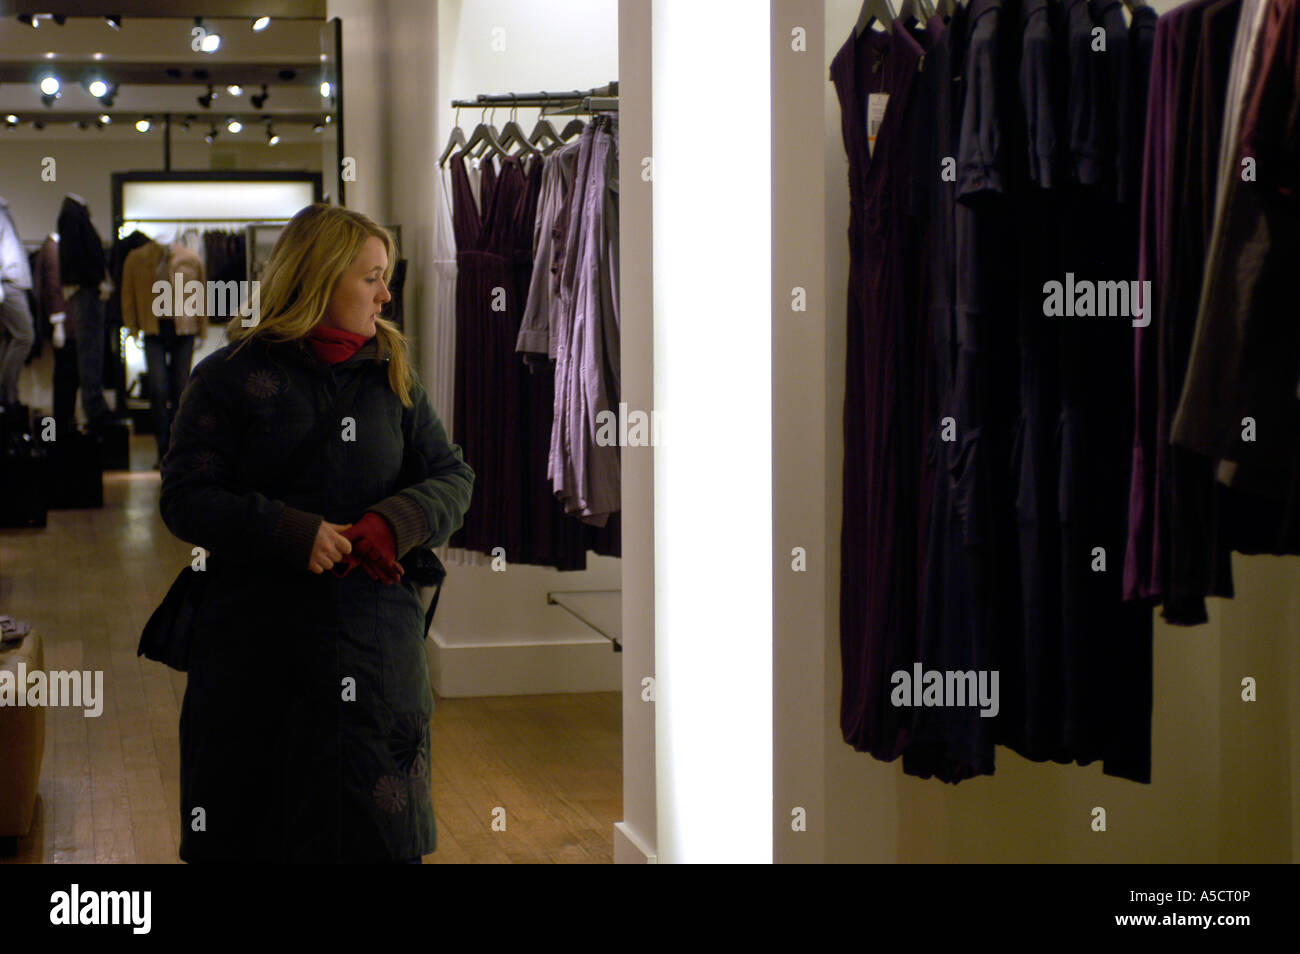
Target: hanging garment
[1240, 401]
[494, 413]
[871, 73]
[438, 347]
[587, 365]
[537, 333]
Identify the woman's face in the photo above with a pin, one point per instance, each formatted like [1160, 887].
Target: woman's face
[361, 291]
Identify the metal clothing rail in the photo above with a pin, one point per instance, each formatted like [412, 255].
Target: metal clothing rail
[573, 97]
[552, 601]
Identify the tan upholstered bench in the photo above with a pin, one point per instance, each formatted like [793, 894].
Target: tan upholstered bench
[22, 745]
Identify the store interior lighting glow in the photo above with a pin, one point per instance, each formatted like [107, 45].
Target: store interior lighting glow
[713, 388]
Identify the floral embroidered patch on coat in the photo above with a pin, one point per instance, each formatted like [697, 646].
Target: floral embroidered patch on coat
[262, 384]
[390, 794]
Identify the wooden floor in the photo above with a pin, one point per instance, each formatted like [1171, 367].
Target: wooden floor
[109, 786]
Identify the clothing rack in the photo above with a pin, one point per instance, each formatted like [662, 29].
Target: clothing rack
[597, 99]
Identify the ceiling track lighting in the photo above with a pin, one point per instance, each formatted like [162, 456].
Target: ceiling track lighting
[259, 101]
[234, 89]
[272, 137]
[261, 23]
[29, 20]
[114, 21]
[206, 100]
[234, 125]
[144, 124]
[50, 85]
[209, 41]
[211, 136]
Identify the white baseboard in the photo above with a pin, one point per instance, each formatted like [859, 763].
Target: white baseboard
[629, 849]
[522, 669]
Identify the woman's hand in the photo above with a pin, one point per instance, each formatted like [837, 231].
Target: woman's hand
[330, 546]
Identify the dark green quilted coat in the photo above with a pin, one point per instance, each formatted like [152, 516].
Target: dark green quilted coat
[305, 728]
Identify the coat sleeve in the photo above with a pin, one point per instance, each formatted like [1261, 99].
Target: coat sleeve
[432, 506]
[200, 502]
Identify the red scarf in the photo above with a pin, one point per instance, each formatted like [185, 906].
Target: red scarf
[333, 345]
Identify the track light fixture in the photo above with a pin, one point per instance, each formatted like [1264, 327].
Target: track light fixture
[234, 89]
[209, 40]
[234, 125]
[143, 125]
[211, 136]
[272, 137]
[261, 23]
[114, 21]
[206, 100]
[259, 101]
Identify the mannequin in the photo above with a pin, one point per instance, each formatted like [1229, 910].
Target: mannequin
[48, 292]
[168, 339]
[83, 274]
[17, 330]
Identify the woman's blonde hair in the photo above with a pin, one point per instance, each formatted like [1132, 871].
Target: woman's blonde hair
[307, 261]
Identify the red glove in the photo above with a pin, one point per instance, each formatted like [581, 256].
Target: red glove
[374, 546]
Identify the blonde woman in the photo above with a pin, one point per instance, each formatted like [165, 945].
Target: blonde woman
[306, 459]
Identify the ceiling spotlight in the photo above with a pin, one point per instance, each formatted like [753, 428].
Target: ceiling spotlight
[234, 89]
[11, 119]
[97, 88]
[114, 21]
[259, 101]
[329, 118]
[142, 125]
[209, 40]
[206, 100]
[325, 89]
[38, 124]
[212, 135]
[105, 119]
[50, 84]
[272, 137]
[261, 23]
[233, 124]
[60, 19]
[317, 128]
[28, 19]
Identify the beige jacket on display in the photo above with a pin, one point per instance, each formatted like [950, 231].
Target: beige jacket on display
[142, 269]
